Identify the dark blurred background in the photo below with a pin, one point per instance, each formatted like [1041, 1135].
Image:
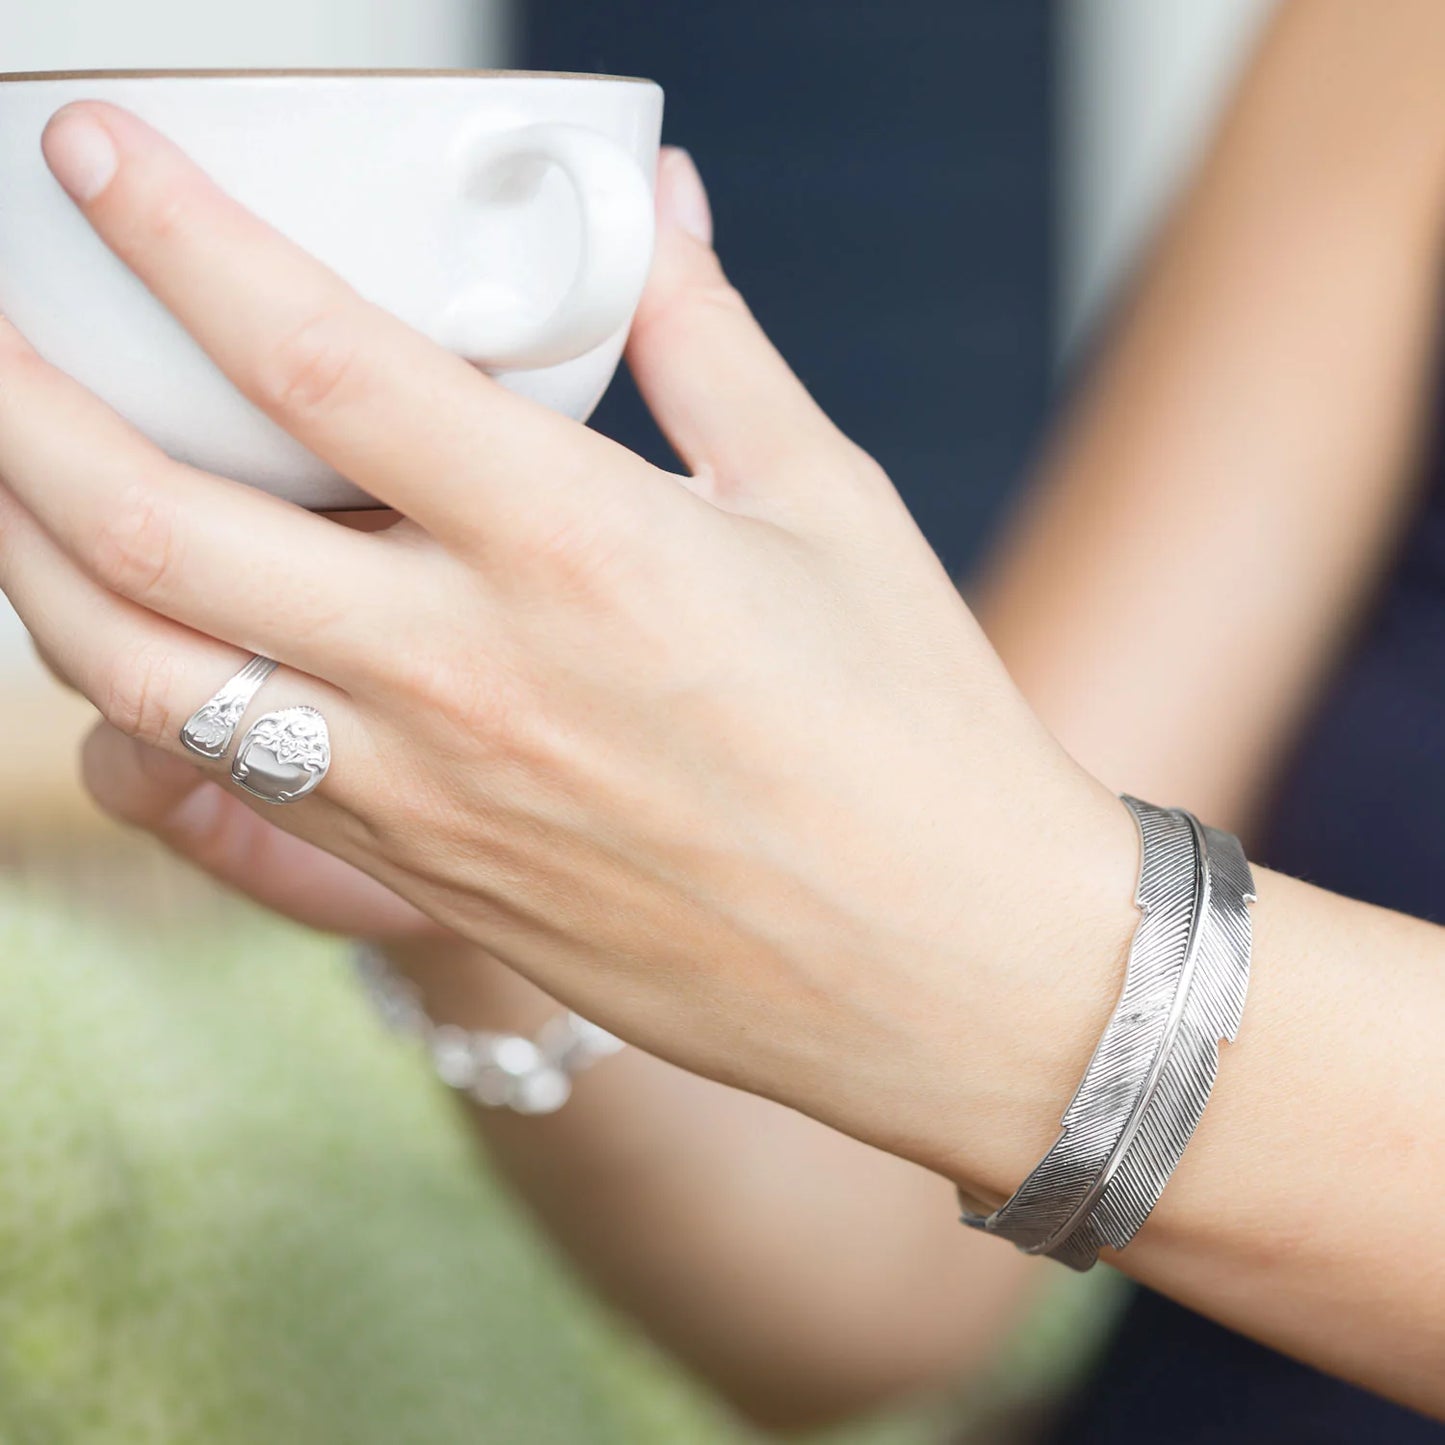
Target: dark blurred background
[880, 175]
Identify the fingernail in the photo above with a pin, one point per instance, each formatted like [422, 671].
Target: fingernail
[682, 197]
[80, 153]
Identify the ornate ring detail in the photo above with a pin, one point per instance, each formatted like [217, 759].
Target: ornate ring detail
[284, 756]
[210, 729]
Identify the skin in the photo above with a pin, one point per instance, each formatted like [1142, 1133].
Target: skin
[744, 780]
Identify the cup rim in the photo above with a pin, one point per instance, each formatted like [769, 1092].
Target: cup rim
[20, 77]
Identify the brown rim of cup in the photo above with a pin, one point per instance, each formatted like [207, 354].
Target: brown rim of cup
[319, 73]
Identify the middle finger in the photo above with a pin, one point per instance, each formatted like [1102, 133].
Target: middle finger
[210, 553]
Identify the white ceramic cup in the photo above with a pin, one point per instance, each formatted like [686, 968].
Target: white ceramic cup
[508, 215]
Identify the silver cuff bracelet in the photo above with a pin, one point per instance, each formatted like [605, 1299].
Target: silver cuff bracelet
[1150, 1078]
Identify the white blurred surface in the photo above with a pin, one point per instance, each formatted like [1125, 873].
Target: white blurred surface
[161, 34]
[157, 34]
[1139, 82]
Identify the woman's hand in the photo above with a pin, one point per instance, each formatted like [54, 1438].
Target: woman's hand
[721, 760]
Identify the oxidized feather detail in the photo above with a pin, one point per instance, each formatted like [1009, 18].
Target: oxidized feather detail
[1150, 1077]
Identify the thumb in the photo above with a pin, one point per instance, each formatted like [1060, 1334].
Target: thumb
[728, 403]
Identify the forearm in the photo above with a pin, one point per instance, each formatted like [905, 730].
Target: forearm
[805, 1275]
[1232, 476]
[1209, 525]
[1309, 1214]
[1304, 1213]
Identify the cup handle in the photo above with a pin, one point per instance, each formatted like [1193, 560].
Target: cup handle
[617, 229]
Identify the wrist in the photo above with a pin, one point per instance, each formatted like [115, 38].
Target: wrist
[460, 983]
[978, 1091]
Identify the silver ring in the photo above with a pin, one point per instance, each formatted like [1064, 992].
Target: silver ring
[211, 727]
[284, 756]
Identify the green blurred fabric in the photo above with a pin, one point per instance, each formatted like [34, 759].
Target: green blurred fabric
[233, 1209]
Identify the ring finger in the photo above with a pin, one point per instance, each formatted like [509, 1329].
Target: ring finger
[144, 673]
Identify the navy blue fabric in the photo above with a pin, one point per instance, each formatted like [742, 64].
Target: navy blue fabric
[880, 180]
[880, 173]
[1173, 1378]
[1362, 811]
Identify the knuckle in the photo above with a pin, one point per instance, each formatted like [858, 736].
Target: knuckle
[717, 294]
[24, 378]
[701, 302]
[136, 697]
[704, 275]
[165, 219]
[23, 365]
[702, 296]
[473, 699]
[48, 659]
[857, 480]
[481, 708]
[578, 557]
[312, 366]
[134, 551]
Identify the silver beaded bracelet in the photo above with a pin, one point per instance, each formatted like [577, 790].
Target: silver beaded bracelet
[495, 1070]
[1147, 1085]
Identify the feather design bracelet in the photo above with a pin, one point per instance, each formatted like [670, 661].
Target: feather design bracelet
[1150, 1077]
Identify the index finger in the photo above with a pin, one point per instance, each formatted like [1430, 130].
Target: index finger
[411, 423]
